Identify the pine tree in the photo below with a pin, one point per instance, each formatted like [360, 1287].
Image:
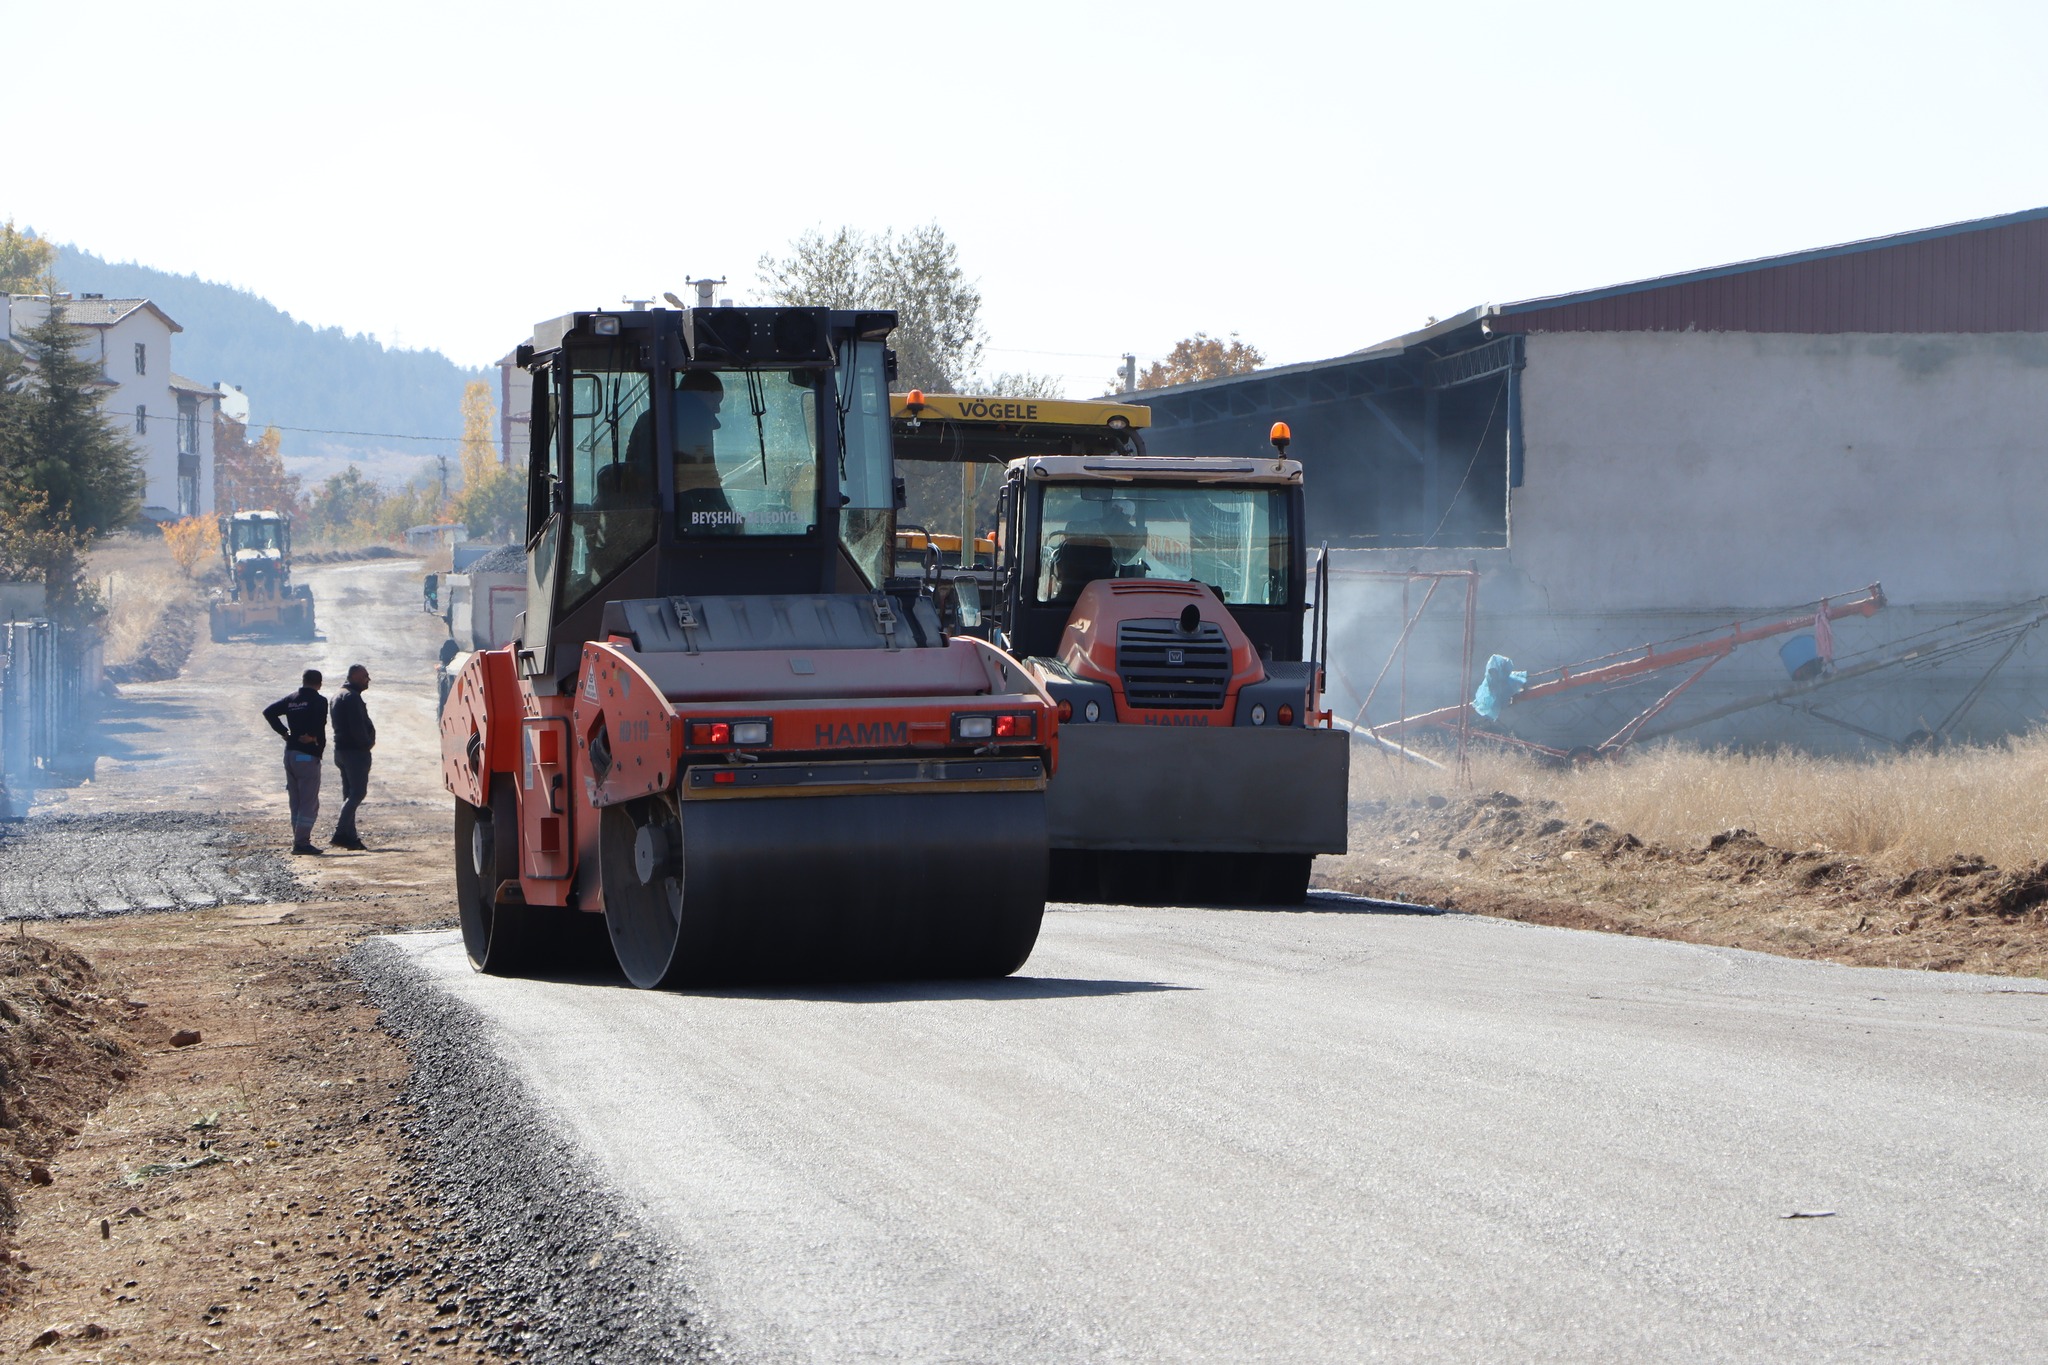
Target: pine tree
[67, 477]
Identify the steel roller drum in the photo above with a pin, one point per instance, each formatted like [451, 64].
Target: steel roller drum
[871, 887]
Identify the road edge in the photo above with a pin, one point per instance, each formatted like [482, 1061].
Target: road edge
[558, 1265]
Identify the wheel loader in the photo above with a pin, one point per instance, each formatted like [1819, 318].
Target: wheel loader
[723, 724]
[1162, 603]
[256, 549]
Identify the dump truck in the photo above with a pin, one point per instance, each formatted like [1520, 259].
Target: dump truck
[724, 724]
[1162, 603]
[256, 550]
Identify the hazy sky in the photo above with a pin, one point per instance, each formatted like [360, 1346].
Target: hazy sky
[1312, 176]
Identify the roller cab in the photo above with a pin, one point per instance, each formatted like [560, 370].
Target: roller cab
[724, 725]
[1163, 604]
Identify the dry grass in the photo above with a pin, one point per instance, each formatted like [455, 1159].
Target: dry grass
[1902, 810]
[145, 585]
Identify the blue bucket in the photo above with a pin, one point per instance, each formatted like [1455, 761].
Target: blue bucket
[1801, 657]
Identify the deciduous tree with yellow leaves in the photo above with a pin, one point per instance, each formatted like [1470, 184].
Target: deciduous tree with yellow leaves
[248, 475]
[27, 262]
[1199, 357]
[492, 503]
[192, 540]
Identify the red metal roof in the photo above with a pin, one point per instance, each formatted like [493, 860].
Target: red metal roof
[1990, 275]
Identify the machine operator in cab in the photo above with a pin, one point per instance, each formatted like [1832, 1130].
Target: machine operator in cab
[700, 497]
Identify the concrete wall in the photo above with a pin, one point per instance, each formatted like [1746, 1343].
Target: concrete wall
[1693, 470]
[1675, 481]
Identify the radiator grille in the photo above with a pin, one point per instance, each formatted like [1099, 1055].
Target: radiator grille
[1164, 666]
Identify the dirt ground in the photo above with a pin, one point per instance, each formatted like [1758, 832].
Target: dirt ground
[1498, 854]
[245, 1196]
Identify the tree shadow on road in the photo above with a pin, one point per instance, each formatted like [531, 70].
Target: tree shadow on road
[126, 729]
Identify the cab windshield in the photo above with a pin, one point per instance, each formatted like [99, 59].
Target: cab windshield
[746, 452]
[258, 535]
[1236, 540]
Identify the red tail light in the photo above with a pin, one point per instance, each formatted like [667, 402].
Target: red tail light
[1016, 725]
[1286, 714]
[730, 734]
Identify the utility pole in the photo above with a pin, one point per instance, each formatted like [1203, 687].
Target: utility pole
[1130, 373]
[442, 460]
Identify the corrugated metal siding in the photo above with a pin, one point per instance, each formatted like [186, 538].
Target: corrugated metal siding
[1991, 280]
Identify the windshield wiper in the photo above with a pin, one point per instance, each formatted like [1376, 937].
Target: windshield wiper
[757, 399]
[842, 403]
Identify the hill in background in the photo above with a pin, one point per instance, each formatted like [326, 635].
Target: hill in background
[317, 379]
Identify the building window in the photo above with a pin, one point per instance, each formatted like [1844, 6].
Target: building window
[188, 485]
[141, 419]
[188, 425]
[141, 358]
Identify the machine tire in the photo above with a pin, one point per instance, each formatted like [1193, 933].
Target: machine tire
[305, 596]
[1132, 877]
[500, 939]
[1142, 877]
[1072, 875]
[890, 887]
[645, 920]
[1287, 877]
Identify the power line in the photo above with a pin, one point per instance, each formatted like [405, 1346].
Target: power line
[310, 430]
[1072, 355]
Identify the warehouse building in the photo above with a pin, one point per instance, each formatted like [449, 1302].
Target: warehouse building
[1639, 462]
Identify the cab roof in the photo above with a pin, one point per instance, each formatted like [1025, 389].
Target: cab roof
[1158, 469]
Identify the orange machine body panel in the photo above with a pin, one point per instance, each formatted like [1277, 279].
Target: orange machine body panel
[1089, 646]
[472, 751]
[634, 722]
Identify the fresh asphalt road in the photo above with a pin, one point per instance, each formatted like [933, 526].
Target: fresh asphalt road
[1333, 1135]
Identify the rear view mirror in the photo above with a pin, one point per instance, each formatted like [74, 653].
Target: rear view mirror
[967, 601]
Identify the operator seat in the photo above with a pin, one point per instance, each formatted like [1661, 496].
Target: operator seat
[622, 488]
[1078, 562]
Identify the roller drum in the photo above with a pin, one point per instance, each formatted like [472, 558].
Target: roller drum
[824, 888]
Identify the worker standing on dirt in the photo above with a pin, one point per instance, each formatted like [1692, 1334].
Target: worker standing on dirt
[355, 734]
[302, 719]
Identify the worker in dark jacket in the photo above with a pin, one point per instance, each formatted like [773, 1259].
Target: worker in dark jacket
[302, 719]
[355, 734]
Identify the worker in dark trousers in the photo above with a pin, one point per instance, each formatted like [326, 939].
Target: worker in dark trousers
[355, 734]
[302, 719]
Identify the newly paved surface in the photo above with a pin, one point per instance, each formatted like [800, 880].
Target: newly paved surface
[57, 865]
[1336, 1135]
